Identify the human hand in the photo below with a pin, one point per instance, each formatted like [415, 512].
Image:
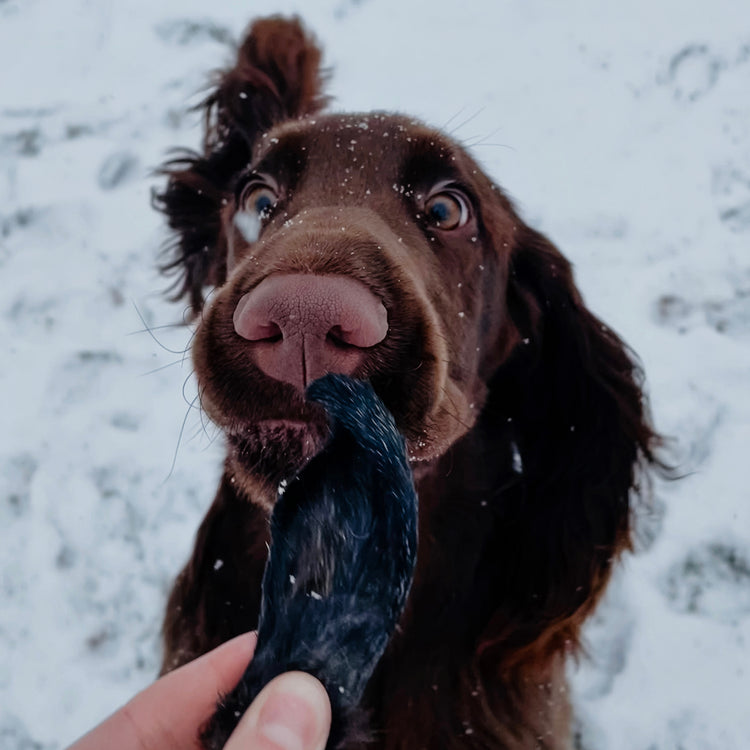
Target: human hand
[291, 713]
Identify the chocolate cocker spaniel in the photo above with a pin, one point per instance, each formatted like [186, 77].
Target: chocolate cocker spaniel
[374, 247]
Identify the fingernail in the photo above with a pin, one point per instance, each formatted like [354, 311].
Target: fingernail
[291, 716]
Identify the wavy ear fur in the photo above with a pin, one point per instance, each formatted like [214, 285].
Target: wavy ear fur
[276, 77]
[573, 396]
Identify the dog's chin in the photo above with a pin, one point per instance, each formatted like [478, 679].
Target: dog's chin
[273, 451]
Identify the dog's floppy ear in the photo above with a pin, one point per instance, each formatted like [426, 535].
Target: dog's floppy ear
[276, 77]
[572, 393]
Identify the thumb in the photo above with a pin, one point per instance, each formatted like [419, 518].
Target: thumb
[292, 712]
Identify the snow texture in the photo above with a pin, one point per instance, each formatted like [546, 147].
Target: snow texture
[623, 129]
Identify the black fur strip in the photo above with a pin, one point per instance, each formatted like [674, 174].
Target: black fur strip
[344, 543]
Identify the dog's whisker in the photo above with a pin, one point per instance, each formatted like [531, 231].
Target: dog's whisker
[150, 330]
[484, 144]
[185, 382]
[179, 441]
[202, 414]
[483, 139]
[197, 432]
[452, 118]
[180, 362]
[213, 438]
[458, 127]
[189, 346]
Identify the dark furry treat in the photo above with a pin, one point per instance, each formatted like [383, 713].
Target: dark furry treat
[344, 542]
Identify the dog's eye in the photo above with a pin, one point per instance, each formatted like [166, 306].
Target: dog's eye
[448, 209]
[259, 199]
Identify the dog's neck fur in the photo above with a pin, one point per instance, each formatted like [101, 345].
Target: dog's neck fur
[435, 675]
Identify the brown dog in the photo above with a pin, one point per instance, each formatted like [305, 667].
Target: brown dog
[374, 246]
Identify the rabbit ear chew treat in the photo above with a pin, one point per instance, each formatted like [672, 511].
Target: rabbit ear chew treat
[343, 551]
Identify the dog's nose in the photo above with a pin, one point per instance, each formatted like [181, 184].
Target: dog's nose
[303, 326]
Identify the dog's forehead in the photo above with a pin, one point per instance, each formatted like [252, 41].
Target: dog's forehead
[365, 144]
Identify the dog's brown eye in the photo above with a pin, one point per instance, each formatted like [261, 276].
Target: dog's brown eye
[447, 210]
[259, 200]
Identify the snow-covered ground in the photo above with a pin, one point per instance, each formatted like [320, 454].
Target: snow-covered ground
[623, 130]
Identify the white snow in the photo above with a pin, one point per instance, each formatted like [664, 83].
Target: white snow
[623, 129]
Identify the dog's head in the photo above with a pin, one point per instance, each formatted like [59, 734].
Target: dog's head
[366, 244]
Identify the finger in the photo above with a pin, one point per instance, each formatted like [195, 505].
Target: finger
[292, 712]
[169, 713]
[180, 702]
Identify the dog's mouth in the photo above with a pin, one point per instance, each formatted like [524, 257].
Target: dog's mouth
[278, 448]
[274, 446]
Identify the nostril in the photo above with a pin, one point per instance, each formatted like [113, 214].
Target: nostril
[361, 326]
[337, 337]
[269, 332]
[255, 323]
